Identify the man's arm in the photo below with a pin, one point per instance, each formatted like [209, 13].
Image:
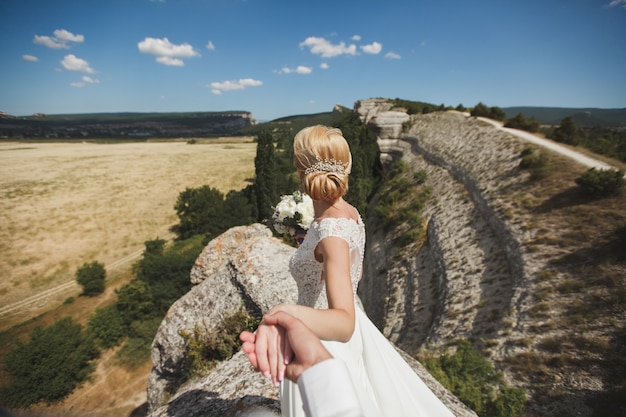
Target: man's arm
[327, 391]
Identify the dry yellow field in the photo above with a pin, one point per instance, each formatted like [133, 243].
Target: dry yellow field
[65, 204]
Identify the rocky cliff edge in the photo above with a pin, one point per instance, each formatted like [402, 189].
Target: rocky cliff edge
[247, 267]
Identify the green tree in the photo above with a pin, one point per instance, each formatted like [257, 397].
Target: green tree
[134, 301]
[91, 277]
[199, 211]
[265, 172]
[496, 113]
[480, 110]
[107, 326]
[48, 367]
[238, 210]
[165, 272]
[366, 167]
[567, 132]
[522, 123]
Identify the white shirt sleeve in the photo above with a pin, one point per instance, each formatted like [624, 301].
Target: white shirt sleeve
[327, 391]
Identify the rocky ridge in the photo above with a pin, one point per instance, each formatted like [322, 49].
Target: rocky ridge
[493, 253]
[474, 254]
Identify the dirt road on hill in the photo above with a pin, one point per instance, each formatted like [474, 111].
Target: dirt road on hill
[577, 156]
[43, 296]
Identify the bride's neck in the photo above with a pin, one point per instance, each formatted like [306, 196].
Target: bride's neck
[323, 207]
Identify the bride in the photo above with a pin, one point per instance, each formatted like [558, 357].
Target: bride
[327, 268]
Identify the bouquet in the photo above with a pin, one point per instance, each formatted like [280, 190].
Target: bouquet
[293, 212]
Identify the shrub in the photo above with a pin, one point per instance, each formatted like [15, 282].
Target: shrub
[537, 164]
[204, 349]
[602, 182]
[475, 382]
[107, 326]
[91, 277]
[47, 368]
[420, 176]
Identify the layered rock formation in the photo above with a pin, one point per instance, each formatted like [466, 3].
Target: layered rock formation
[469, 277]
[499, 262]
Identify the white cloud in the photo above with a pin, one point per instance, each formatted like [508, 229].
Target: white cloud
[85, 80]
[616, 3]
[356, 38]
[321, 46]
[90, 80]
[30, 58]
[61, 39]
[210, 46]
[324, 65]
[166, 52]
[72, 63]
[220, 87]
[49, 42]
[374, 48]
[392, 55]
[300, 69]
[66, 36]
[169, 61]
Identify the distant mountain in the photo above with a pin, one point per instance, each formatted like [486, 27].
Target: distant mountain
[124, 125]
[208, 124]
[582, 116]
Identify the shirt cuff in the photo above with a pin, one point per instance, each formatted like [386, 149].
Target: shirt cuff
[327, 389]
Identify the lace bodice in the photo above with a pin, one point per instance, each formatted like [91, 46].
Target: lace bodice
[307, 271]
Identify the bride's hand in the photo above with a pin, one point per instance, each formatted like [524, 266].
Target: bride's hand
[266, 350]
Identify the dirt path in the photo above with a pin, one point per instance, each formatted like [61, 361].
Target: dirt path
[577, 156]
[42, 297]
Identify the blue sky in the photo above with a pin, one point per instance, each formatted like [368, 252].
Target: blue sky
[278, 58]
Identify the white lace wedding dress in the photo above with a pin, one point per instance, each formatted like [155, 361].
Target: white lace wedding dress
[373, 362]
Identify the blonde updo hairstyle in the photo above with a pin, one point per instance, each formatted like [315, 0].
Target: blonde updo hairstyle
[323, 156]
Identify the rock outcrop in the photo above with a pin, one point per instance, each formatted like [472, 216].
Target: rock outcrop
[244, 266]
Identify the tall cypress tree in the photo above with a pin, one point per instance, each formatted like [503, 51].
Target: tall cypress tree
[366, 168]
[265, 171]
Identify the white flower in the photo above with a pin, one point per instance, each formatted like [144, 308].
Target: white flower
[292, 212]
[305, 208]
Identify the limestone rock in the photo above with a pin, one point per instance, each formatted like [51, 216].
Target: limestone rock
[243, 266]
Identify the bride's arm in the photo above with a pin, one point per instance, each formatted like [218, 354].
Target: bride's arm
[336, 322]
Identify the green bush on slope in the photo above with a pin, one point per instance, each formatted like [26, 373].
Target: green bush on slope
[475, 382]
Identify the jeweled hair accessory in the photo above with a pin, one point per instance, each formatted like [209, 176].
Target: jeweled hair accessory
[327, 165]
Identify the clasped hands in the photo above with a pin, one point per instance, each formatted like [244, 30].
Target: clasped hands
[282, 346]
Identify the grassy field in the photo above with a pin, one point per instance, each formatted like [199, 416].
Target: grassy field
[64, 204]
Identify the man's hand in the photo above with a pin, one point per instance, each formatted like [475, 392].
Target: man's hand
[283, 346]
